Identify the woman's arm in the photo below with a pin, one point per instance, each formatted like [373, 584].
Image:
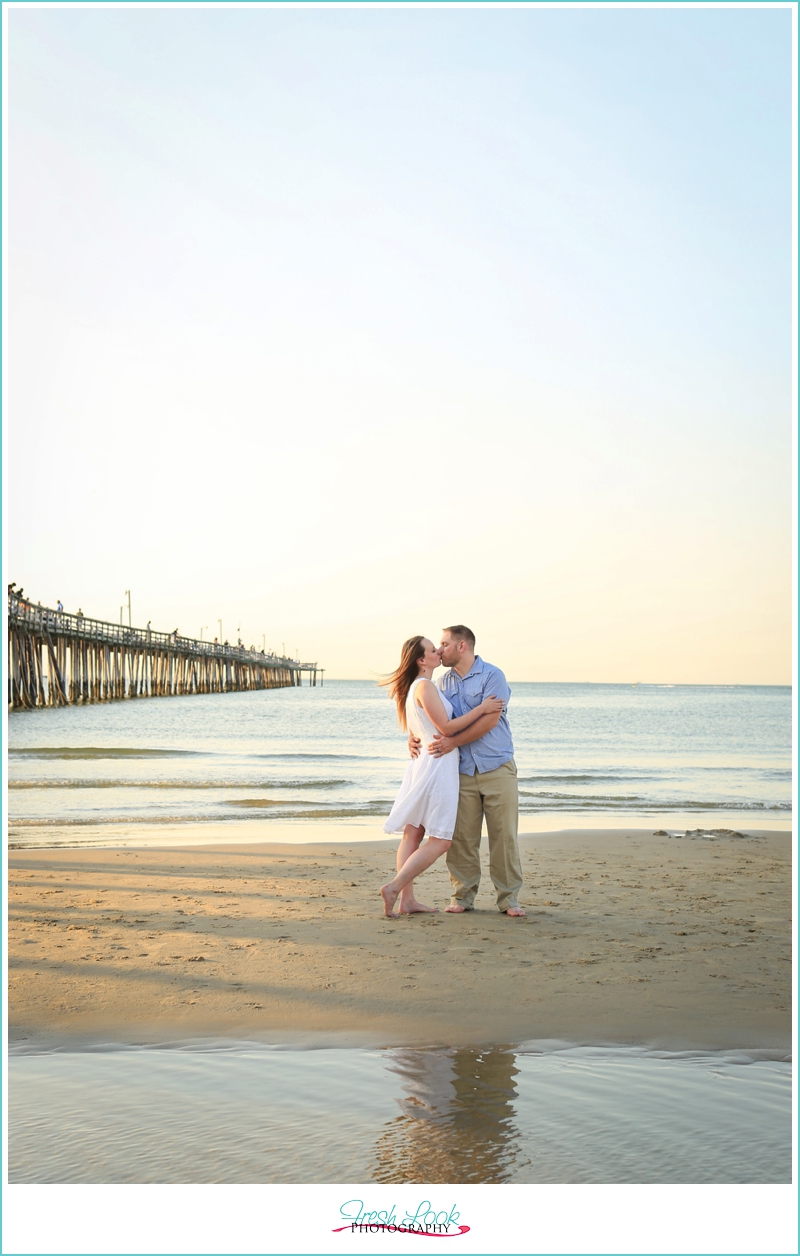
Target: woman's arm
[444, 744]
[432, 705]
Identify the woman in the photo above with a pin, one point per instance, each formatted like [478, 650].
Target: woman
[428, 798]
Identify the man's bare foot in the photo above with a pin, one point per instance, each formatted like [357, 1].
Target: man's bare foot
[389, 899]
[455, 908]
[406, 909]
[514, 911]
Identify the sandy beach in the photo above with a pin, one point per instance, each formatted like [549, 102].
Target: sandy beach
[672, 942]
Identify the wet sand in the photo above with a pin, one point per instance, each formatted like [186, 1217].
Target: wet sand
[629, 938]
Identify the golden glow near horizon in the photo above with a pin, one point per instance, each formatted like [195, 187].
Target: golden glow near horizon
[417, 317]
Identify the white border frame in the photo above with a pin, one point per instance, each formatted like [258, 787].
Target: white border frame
[587, 1219]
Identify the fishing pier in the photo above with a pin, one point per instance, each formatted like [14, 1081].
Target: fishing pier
[56, 659]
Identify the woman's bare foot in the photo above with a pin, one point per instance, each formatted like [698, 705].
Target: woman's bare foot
[514, 911]
[389, 899]
[406, 908]
[456, 908]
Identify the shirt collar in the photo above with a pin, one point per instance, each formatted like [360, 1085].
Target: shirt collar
[477, 667]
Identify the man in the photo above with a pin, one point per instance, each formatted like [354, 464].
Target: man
[487, 777]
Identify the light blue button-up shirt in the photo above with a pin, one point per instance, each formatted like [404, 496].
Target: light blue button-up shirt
[495, 747]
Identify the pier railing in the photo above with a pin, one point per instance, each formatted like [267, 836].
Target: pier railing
[57, 659]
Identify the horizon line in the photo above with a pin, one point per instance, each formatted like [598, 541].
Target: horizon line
[629, 684]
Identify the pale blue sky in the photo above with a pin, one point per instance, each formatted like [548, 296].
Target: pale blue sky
[346, 324]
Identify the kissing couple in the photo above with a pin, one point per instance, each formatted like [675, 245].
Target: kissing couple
[445, 794]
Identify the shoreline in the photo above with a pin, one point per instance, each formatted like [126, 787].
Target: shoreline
[630, 939]
[159, 834]
[39, 1045]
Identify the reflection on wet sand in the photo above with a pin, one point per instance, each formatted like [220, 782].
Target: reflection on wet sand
[457, 1118]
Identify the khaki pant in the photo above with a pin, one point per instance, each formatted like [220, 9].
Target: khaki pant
[494, 795]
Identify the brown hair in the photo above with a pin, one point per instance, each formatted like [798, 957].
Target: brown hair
[464, 633]
[401, 679]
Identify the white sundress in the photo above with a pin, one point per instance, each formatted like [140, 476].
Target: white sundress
[429, 792]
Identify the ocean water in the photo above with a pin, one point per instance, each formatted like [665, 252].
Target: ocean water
[248, 1113]
[721, 754]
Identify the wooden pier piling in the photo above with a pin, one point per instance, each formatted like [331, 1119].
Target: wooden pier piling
[55, 659]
